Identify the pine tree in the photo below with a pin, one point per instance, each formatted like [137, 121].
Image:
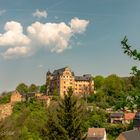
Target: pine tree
[52, 130]
[68, 123]
[70, 115]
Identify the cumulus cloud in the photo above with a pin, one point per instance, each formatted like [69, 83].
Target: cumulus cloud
[40, 14]
[78, 25]
[55, 37]
[15, 52]
[2, 12]
[13, 35]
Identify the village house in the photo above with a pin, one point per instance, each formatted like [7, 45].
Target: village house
[45, 99]
[96, 134]
[136, 121]
[16, 96]
[62, 79]
[116, 118]
[129, 135]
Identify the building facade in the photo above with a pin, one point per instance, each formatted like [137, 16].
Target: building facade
[16, 97]
[62, 79]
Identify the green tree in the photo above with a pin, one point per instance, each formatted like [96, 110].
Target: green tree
[97, 118]
[23, 88]
[134, 54]
[26, 121]
[5, 98]
[52, 130]
[113, 85]
[33, 88]
[69, 118]
[43, 88]
[98, 81]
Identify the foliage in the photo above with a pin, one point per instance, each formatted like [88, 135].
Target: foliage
[26, 121]
[115, 129]
[69, 119]
[133, 53]
[5, 98]
[43, 89]
[97, 118]
[33, 88]
[113, 85]
[99, 81]
[22, 88]
[130, 52]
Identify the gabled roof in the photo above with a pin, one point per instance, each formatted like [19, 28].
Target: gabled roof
[96, 133]
[132, 135]
[116, 115]
[59, 71]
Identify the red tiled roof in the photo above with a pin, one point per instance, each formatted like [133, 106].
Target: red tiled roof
[129, 116]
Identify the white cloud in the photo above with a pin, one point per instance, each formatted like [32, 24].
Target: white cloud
[78, 25]
[14, 35]
[40, 14]
[55, 37]
[16, 52]
[2, 12]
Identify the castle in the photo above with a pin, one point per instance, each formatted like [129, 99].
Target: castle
[64, 78]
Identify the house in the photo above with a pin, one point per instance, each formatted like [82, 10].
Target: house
[38, 94]
[136, 121]
[45, 99]
[116, 117]
[60, 80]
[96, 134]
[16, 96]
[129, 135]
[128, 117]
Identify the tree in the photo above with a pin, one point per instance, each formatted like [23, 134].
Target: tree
[43, 88]
[33, 88]
[5, 98]
[69, 118]
[113, 85]
[52, 130]
[97, 118]
[129, 51]
[133, 53]
[99, 81]
[23, 88]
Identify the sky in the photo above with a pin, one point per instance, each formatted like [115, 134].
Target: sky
[85, 35]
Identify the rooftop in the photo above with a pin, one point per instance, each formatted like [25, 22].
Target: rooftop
[96, 133]
[129, 116]
[132, 135]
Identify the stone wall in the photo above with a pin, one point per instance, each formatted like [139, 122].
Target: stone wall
[5, 110]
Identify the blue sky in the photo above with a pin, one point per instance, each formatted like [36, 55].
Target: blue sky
[49, 34]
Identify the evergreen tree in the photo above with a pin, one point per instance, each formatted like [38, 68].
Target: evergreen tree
[53, 131]
[70, 116]
[68, 125]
